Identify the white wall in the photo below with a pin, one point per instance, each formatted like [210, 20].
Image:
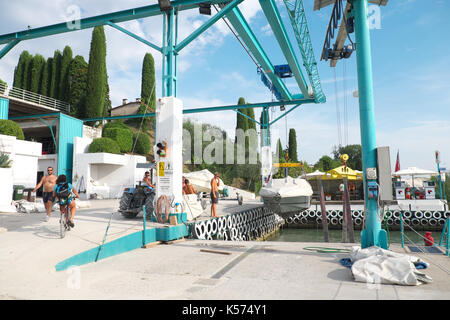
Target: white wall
[24, 155]
[105, 174]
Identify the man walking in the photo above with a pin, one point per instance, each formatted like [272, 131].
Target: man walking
[48, 182]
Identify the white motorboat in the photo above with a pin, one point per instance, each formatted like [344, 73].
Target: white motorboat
[287, 196]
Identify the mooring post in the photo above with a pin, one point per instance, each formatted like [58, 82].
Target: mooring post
[324, 211]
[144, 227]
[373, 235]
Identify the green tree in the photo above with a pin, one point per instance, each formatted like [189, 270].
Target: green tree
[37, 67]
[45, 80]
[26, 77]
[281, 155]
[96, 75]
[354, 153]
[107, 106]
[241, 121]
[292, 149]
[19, 71]
[55, 75]
[77, 76]
[63, 91]
[148, 86]
[326, 163]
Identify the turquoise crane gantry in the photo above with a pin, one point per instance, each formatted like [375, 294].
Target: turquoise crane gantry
[170, 48]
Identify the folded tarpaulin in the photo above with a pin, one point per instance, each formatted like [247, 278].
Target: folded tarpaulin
[376, 265]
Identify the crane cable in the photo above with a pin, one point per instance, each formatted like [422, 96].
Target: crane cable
[344, 75]
[338, 116]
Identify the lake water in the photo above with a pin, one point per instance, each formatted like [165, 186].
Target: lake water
[290, 234]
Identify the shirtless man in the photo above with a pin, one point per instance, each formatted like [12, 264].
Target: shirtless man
[214, 194]
[49, 182]
[146, 180]
[188, 188]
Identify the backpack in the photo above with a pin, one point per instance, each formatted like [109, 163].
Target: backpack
[62, 190]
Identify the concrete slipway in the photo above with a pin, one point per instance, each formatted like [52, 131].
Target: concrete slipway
[30, 248]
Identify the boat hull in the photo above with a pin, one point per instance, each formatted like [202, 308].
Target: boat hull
[287, 206]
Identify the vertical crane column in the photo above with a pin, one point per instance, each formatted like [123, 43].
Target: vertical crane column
[372, 235]
[169, 80]
[266, 149]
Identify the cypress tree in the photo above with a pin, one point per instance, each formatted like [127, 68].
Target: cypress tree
[77, 76]
[280, 151]
[26, 75]
[36, 69]
[148, 86]
[107, 106]
[251, 113]
[293, 157]
[55, 77]
[96, 75]
[63, 91]
[43, 86]
[20, 68]
[241, 121]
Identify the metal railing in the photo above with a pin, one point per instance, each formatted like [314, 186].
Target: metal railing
[33, 97]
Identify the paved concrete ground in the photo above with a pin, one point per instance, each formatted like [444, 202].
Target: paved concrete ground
[30, 248]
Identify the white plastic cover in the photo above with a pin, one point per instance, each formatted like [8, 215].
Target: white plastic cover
[379, 266]
[201, 180]
[287, 187]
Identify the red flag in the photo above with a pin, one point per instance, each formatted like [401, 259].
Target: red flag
[397, 163]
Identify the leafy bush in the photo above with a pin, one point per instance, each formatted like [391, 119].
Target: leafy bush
[11, 128]
[123, 137]
[114, 124]
[142, 143]
[104, 145]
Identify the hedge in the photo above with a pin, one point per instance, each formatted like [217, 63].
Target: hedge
[114, 124]
[142, 143]
[123, 137]
[11, 128]
[104, 145]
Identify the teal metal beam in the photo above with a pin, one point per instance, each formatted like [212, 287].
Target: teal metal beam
[109, 23]
[297, 15]
[212, 109]
[248, 37]
[284, 114]
[35, 116]
[207, 24]
[273, 17]
[8, 47]
[115, 17]
[246, 116]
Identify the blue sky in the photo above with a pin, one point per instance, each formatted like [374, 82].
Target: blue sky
[410, 56]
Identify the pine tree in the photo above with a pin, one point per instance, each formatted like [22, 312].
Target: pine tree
[107, 106]
[63, 91]
[293, 157]
[96, 75]
[36, 69]
[77, 75]
[55, 75]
